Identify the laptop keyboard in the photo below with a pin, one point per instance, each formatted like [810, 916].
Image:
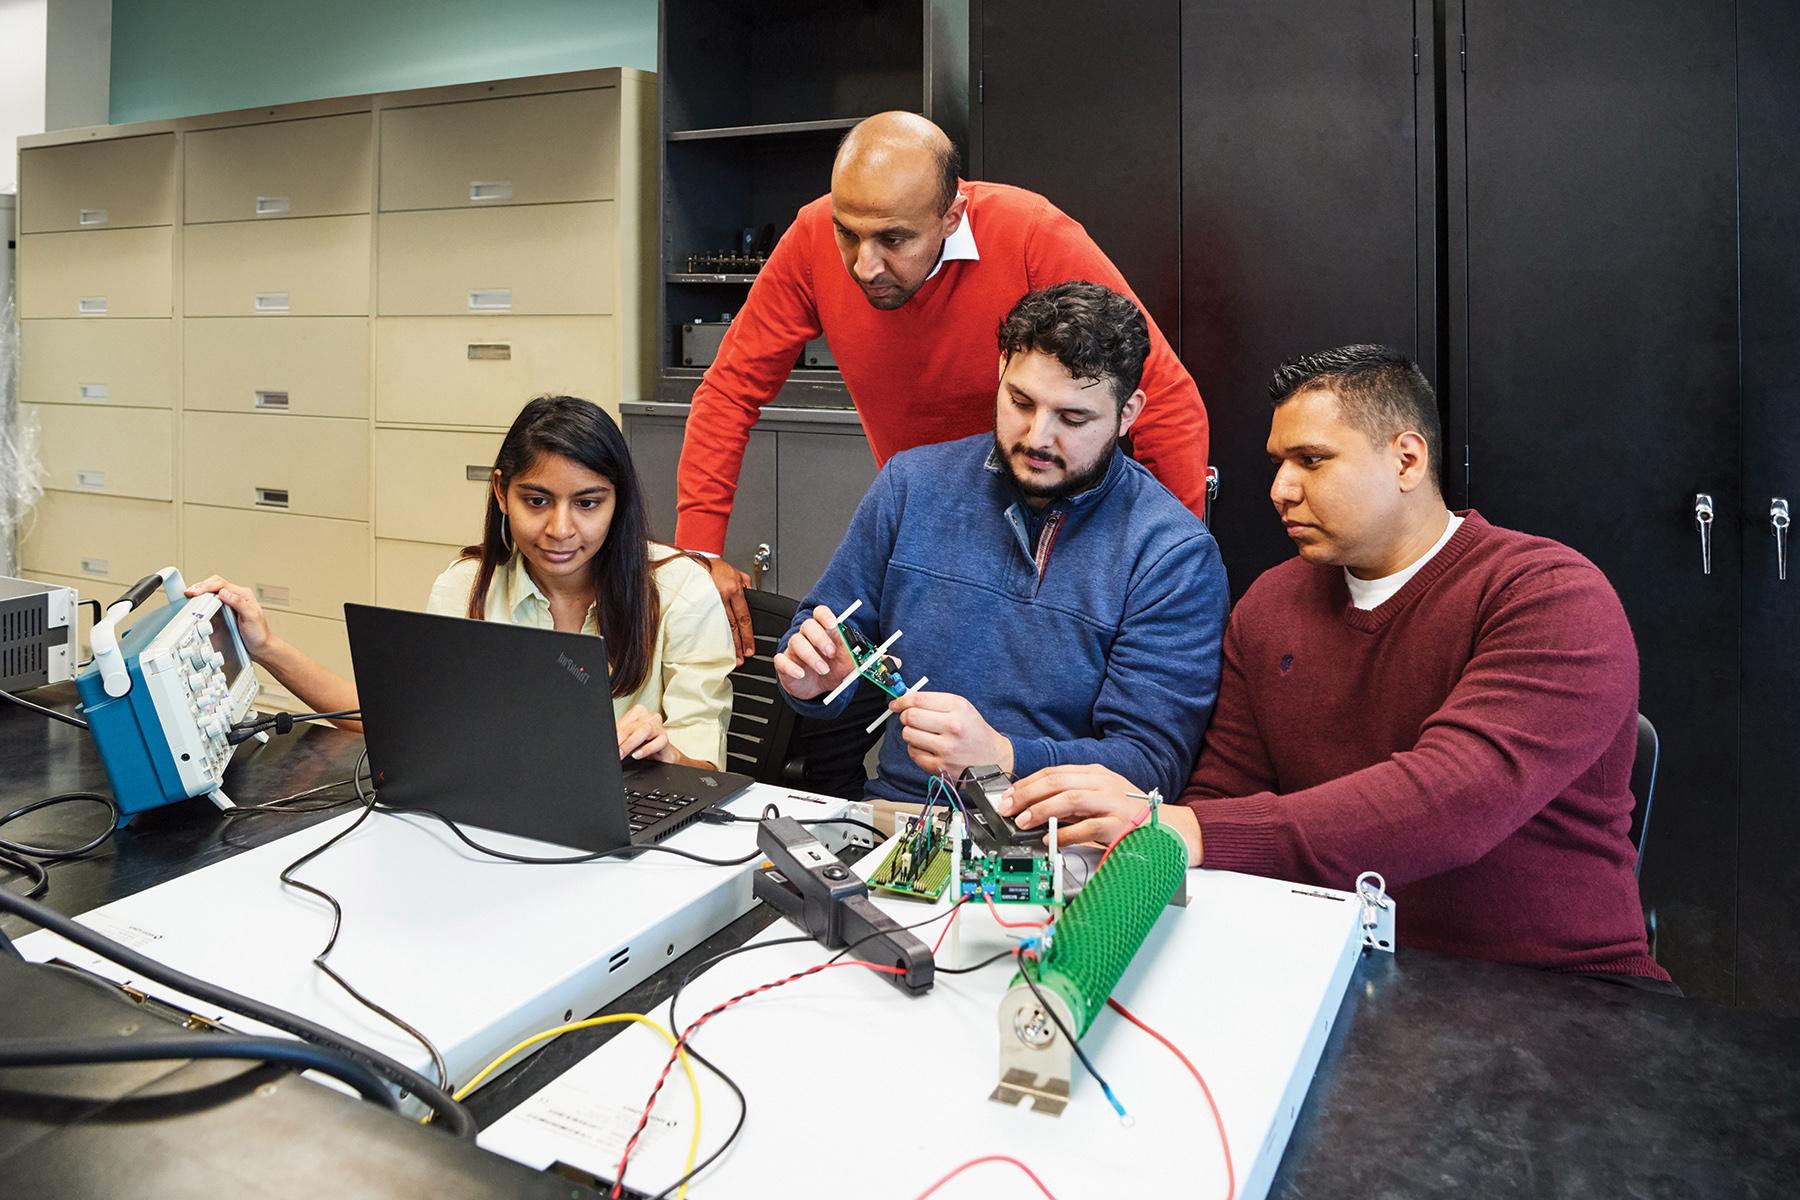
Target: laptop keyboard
[647, 808]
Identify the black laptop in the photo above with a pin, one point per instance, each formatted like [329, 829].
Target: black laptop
[511, 729]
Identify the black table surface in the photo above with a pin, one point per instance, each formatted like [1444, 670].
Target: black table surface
[1441, 1077]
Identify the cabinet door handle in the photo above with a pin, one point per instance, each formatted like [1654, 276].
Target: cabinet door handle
[1779, 520]
[1703, 517]
[760, 562]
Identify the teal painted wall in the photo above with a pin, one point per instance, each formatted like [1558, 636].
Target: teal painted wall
[178, 58]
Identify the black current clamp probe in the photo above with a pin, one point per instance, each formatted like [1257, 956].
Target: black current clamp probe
[806, 883]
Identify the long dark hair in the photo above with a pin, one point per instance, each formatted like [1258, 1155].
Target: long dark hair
[625, 601]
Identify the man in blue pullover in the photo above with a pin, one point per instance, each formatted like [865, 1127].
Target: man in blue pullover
[1064, 605]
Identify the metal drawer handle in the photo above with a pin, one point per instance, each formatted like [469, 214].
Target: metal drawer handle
[760, 562]
[275, 400]
[97, 567]
[271, 206]
[490, 300]
[90, 479]
[1779, 520]
[268, 593]
[476, 473]
[272, 497]
[91, 391]
[271, 302]
[1703, 517]
[490, 351]
[92, 216]
[91, 306]
[490, 190]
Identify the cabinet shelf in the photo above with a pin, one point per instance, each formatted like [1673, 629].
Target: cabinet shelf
[707, 277]
[778, 129]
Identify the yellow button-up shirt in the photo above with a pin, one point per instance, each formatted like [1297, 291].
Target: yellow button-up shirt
[694, 654]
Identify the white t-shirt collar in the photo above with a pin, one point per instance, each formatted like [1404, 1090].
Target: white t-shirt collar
[1373, 593]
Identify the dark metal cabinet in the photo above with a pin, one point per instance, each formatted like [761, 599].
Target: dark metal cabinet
[1594, 364]
[1581, 219]
[804, 474]
[1307, 210]
[1096, 145]
[1769, 732]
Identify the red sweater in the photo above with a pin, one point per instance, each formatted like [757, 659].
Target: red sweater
[924, 372]
[1471, 739]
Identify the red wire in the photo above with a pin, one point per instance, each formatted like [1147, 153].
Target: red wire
[1230, 1171]
[1013, 924]
[681, 1042]
[1121, 837]
[988, 1158]
[945, 932]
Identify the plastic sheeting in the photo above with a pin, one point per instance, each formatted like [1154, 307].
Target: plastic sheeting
[20, 471]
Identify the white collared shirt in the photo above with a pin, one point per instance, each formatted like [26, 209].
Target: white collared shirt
[958, 246]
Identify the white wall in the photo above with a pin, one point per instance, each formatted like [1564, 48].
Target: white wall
[23, 25]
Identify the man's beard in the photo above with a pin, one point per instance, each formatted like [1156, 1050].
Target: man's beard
[1070, 484]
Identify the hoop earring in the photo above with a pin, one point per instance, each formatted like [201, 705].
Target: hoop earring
[506, 534]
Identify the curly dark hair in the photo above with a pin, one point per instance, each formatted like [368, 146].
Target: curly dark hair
[1380, 390]
[1093, 331]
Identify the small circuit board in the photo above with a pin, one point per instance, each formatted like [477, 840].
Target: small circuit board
[919, 865]
[879, 669]
[1008, 876]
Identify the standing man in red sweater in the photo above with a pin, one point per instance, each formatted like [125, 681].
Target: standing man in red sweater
[1419, 693]
[907, 271]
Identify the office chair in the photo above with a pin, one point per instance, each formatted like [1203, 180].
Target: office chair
[1643, 789]
[761, 731]
[768, 741]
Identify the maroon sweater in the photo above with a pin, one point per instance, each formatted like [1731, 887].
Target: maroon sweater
[1471, 739]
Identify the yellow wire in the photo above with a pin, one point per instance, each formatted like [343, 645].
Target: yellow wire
[590, 1023]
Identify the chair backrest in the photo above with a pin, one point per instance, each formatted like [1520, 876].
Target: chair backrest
[1643, 785]
[761, 732]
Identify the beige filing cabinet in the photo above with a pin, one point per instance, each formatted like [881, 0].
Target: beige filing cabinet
[97, 375]
[282, 344]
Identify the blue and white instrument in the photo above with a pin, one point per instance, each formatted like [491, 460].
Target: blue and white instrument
[162, 698]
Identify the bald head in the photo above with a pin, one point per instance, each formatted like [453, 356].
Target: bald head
[897, 159]
[894, 200]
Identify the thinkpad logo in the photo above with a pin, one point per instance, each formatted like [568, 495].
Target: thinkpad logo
[568, 664]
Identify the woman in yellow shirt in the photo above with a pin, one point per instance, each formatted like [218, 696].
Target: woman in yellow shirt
[566, 545]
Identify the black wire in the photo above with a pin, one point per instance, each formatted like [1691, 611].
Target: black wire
[684, 1044]
[65, 718]
[337, 923]
[457, 1117]
[31, 869]
[596, 856]
[54, 854]
[283, 805]
[1044, 1003]
[719, 814]
[282, 722]
[743, 1115]
[29, 860]
[56, 1052]
[986, 962]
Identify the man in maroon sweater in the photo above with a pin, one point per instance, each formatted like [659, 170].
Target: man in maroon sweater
[1419, 693]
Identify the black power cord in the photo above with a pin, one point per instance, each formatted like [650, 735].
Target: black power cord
[282, 722]
[30, 860]
[41, 711]
[595, 856]
[456, 1117]
[337, 923]
[56, 1052]
[718, 816]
